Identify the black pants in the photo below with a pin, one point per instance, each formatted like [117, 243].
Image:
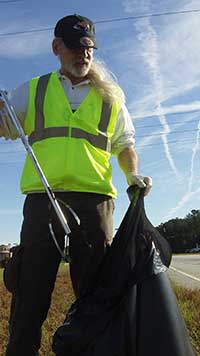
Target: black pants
[40, 260]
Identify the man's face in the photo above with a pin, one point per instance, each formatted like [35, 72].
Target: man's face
[77, 62]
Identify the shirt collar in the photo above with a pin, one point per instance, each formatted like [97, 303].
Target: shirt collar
[63, 77]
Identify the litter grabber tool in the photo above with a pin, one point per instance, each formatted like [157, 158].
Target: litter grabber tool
[11, 112]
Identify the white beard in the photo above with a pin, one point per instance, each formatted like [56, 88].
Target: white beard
[76, 71]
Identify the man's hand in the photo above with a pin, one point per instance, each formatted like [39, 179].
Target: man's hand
[7, 129]
[140, 181]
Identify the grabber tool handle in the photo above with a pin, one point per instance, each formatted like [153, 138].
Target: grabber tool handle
[31, 154]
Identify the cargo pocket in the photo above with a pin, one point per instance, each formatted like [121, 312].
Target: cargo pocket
[11, 272]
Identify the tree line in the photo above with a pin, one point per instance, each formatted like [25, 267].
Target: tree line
[182, 234]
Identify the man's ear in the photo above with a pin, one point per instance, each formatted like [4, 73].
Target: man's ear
[56, 46]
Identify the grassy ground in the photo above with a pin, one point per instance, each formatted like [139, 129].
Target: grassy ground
[1, 274]
[189, 302]
[61, 300]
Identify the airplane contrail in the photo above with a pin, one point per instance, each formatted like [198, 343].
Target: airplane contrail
[189, 193]
[172, 109]
[149, 41]
[194, 152]
[181, 203]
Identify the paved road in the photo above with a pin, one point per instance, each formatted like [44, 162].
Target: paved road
[185, 270]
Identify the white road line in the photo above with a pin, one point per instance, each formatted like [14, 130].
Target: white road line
[185, 274]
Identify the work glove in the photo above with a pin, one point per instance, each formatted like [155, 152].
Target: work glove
[140, 181]
[7, 129]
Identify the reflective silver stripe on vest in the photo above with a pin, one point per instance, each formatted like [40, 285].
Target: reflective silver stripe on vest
[98, 141]
[39, 101]
[47, 133]
[40, 132]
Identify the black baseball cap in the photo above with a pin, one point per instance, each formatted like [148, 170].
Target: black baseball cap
[76, 31]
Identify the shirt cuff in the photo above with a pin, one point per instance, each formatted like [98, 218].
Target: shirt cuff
[122, 144]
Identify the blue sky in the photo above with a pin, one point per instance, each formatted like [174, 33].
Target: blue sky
[157, 63]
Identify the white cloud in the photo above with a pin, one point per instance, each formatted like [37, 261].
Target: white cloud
[171, 49]
[149, 43]
[139, 113]
[24, 45]
[178, 54]
[136, 7]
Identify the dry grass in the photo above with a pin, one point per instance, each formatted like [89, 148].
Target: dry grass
[189, 302]
[61, 300]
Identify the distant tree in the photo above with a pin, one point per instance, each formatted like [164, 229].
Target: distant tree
[182, 234]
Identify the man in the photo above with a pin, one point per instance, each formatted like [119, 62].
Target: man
[75, 119]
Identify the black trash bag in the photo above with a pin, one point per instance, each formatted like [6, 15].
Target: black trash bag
[131, 309]
[11, 271]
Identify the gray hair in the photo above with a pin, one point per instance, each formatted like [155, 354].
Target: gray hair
[105, 82]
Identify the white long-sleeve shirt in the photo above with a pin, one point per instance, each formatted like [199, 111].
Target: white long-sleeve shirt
[124, 131]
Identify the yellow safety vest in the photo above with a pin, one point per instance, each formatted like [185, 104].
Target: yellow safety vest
[72, 148]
